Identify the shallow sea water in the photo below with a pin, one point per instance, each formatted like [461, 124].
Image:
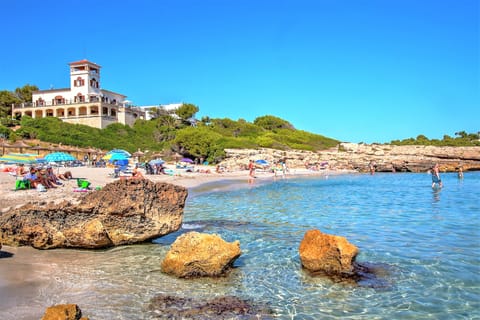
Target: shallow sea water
[424, 244]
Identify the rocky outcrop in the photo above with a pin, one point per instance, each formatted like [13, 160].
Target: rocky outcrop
[64, 312]
[328, 254]
[197, 254]
[123, 212]
[354, 156]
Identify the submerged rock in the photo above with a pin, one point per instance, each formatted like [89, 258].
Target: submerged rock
[330, 254]
[123, 212]
[228, 307]
[63, 312]
[195, 254]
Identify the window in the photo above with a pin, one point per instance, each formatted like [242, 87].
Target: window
[79, 82]
[94, 83]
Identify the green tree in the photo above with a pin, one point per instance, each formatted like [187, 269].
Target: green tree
[157, 112]
[7, 98]
[269, 122]
[24, 94]
[186, 111]
[198, 142]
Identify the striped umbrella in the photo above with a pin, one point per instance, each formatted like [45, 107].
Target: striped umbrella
[26, 158]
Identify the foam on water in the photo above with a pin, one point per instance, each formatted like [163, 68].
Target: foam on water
[424, 244]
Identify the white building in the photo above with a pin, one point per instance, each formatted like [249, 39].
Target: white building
[85, 102]
[170, 108]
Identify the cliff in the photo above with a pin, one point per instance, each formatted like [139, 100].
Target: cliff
[358, 157]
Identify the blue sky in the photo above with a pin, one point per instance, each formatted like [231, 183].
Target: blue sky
[354, 70]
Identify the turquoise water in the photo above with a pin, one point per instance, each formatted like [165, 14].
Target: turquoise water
[424, 243]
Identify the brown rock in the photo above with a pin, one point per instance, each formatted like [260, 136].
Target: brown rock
[327, 253]
[196, 254]
[123, 212]
[63, 312]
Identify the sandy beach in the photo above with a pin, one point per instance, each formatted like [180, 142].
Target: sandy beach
[99, 177]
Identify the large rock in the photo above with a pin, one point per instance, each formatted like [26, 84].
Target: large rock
[123, 212]
[197, 254]
[63, 312]
[329, 254]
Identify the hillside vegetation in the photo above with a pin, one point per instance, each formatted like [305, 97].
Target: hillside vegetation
[204, 139]
[462, 139]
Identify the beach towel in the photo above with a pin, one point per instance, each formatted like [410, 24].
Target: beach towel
[83, 184]
[22, 184]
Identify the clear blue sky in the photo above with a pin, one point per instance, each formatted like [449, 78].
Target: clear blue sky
[354, 70]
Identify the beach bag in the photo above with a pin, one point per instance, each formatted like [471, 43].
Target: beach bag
[82, 183]
[22, 184]
[41, 188]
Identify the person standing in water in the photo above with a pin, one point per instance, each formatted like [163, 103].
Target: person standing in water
[436, 176]
[460, 173]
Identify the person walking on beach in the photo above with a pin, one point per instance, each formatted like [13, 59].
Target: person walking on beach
[436, 176]
[251, 169]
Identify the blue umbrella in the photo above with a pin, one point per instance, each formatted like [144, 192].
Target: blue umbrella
[262, 162]
[120, 151]
[59, 157]
[115, 156]
[187, 160]
[156, 162]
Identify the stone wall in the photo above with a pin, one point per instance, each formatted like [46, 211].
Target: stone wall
[354, 156]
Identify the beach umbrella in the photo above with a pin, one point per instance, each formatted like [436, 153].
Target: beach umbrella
[59, 157]
[121, 162]
[120, 151]
[156, 162]
[20, 145]
[115, 156]
[187, 160]
[262, 162]
[25, 158]
[4, 145]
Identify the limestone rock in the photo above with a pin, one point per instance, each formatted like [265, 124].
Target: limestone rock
[63, 312]
[123, 212]
[197, 254]
[330, 254]
[357, 156]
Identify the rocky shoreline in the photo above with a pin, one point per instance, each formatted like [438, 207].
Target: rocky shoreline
[358, 157]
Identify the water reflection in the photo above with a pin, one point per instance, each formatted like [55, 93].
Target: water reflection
[436, 194]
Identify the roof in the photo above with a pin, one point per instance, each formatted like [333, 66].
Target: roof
[84, 61]
[50, 90]
[108, 91]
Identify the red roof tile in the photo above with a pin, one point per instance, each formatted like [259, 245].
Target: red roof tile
[84, 61]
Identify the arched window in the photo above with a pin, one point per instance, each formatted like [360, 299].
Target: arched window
[79, 98]
[94, 83]
[79, 82]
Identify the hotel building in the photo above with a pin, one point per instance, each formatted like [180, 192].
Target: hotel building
[85, 102]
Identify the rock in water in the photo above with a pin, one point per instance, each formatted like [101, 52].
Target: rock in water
[63, 312]
[197, 254]
[330, 254]
[123, 212]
